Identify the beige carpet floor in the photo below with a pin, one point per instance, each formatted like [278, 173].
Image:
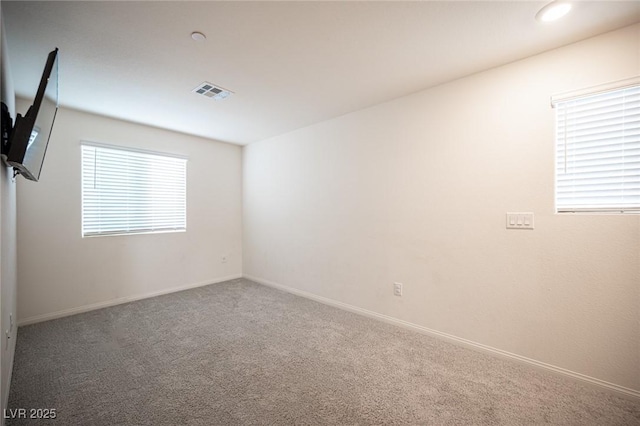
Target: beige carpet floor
[239, 353]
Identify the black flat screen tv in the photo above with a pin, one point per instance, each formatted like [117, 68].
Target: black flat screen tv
[29, 137]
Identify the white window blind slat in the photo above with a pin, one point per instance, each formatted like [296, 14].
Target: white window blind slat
[598, 152]
[126, 191]
[611, 146]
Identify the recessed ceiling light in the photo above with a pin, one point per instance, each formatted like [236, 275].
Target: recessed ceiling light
[553, 11]
[198, 36]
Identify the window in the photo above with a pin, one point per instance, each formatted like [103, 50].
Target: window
[128, 191]
[598, 151]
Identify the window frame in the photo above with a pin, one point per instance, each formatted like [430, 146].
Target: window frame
[577, 95]
[133, 150]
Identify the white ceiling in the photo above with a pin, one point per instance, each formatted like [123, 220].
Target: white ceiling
[290, 64]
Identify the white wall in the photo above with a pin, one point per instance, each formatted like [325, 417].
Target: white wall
[8, 276]
[416, 190]
[61, 271]
[8, 260]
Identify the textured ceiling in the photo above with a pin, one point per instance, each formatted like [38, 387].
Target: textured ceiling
[290, 64]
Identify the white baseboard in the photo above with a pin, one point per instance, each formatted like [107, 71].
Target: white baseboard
[621, 390]
[120, 300]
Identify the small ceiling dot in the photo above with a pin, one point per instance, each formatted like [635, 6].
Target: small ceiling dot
[198, 36]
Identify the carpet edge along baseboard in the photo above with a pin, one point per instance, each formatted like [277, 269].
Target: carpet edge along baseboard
[593, 381]
[113, 302]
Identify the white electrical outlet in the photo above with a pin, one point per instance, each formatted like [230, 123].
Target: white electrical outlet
[7, 333]
[397, 289]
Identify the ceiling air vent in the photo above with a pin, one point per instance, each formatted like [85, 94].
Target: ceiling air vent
[212, 91]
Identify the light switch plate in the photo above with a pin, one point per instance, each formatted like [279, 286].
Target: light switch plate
[519, 220]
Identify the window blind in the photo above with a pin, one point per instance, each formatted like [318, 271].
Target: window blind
[126, 191]
[598, 152]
